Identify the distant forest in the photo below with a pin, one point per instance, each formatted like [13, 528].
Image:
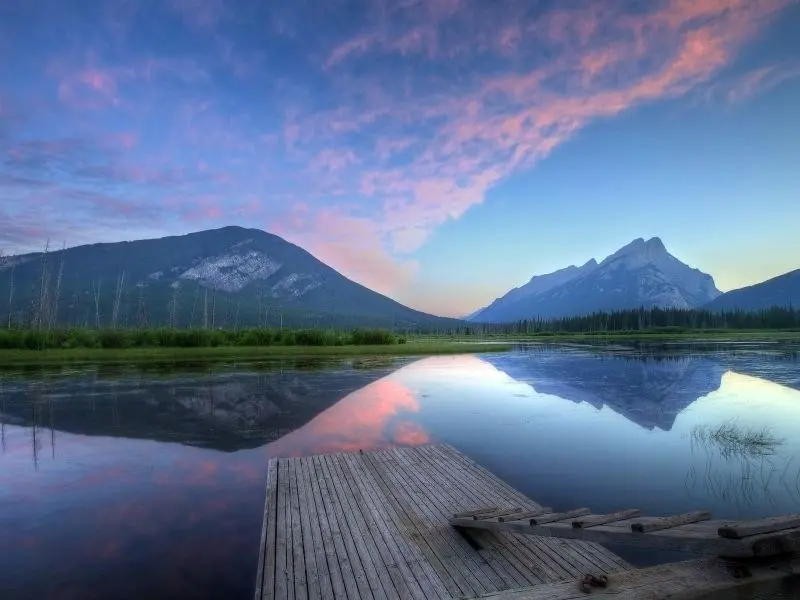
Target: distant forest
[652, 319]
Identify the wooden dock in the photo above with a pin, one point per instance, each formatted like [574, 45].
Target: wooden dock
[427, 522]
[375, 525]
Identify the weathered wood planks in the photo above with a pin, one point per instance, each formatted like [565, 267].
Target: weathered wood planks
[375, 525]
[529, 514]
[553, 517]
[674, 581]
[595, 520]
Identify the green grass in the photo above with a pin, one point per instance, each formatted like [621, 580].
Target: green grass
[237, 353]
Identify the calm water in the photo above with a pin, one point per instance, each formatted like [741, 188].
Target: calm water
[123, 483]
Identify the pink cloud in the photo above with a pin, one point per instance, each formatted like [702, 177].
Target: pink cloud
[203, 14]
[352, 47]
[512, 121]
[353, 245]
[333, 160]
[759, 81]
[89, 88]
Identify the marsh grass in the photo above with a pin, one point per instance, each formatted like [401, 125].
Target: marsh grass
[18, 358]
[733, 440]
[752, 471]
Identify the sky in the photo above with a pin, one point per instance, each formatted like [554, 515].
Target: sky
[438, 151]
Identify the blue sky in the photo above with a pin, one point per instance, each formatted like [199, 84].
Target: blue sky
[439, 151]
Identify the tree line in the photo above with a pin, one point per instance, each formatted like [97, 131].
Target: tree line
[652, 320]
[33, 339]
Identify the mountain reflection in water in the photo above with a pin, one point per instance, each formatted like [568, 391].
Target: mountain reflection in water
[123, 483]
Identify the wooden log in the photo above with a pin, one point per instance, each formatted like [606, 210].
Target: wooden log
[594, 520]
[497, 513]
[747, 528]
[520, 516]
[553, 517]
[474, 511]
[659, 523]
[685, 538]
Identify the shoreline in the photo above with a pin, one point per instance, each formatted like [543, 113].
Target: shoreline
[241, 353]
[636, 336]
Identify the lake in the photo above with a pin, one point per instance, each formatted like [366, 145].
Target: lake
[123, 482]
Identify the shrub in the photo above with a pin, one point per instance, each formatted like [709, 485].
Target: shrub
[113, 339]
[372, 337]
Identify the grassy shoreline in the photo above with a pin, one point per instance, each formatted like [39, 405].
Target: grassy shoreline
[240, 353]
[422, 345]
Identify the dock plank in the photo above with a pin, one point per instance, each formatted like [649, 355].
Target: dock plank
[371, 537]
[298, 551]
[308, 548]
[282, 549]
[369, 585]
[313, 540]
[337, 569]
[265, 578]
[381, 586]
[380, 518]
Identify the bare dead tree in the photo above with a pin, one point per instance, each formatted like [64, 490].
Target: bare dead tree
[205, 309]
[39, 315]
[236, 318]
[2, 422]
[174, 311]
[126, 308]
[260, 298]
[214, 308]
[141, 313]
[57, 295]
[194, 304]
[117, 299]
[96, 294]
[11, 296]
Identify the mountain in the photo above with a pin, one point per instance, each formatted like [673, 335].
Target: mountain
[539, 284]
[642, 273]
[783, 290]
[222, 277]
[649, 390]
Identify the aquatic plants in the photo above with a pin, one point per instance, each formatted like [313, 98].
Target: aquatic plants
[734, 440]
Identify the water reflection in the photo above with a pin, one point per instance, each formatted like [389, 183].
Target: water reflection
[373, 417]
[226, 410]
[131, 483]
